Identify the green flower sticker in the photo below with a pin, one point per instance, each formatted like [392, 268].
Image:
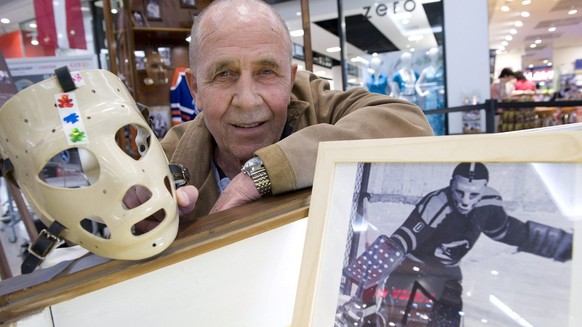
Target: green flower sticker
[77, 135]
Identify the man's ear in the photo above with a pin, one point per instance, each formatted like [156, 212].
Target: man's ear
[293, 73]
[191, 81]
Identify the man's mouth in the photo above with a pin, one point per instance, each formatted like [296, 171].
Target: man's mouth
[247, 125]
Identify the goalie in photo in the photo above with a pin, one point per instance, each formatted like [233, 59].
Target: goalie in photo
[413, 276]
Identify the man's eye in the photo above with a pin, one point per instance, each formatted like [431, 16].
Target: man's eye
[473, 195]
[266, 72]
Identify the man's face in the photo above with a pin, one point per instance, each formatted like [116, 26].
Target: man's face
[243, 82]
[466, 194]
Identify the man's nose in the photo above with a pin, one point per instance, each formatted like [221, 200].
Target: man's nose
[246, 95]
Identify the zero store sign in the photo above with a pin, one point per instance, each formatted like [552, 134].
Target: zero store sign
[383, 9]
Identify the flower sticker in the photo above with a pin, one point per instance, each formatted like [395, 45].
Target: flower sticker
[65, 101]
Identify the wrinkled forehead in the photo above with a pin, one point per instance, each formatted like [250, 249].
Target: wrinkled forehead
[464, 184]
[227, 19]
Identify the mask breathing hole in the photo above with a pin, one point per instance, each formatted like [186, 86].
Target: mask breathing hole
[71, 168]
[148, 224]
[95, 226]
[134, 140]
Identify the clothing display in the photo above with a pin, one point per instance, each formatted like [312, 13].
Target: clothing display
[405, 80]
[377, 83]
[430, 86]
[181, 102]
[291, 162]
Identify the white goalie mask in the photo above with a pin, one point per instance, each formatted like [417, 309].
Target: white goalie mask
[70, 167]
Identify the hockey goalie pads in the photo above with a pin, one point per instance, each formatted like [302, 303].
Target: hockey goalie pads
[547, 241]
[376, 263]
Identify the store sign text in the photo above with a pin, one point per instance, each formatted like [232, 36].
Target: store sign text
[382, 9]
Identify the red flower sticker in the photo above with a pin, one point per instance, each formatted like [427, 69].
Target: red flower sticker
[65, 102]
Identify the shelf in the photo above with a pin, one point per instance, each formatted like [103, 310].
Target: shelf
[161, 35]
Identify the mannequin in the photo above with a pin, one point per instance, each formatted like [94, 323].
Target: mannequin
[405, 78]
[430, 87]
[156, 70]
[377, 82]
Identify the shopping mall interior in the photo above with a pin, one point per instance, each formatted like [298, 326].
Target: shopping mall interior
[446, 56]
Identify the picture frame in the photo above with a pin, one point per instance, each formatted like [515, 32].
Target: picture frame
[499, 285]
[138, 19]
[153, 10]
[189, 4]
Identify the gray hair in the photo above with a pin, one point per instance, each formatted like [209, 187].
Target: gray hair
[196, 30]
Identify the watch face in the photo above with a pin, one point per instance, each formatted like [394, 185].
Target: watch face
[252, 163]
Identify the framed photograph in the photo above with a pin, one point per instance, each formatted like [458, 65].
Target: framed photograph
[191, 4]
[153, 10]
[161, 120]
[445, 231]
[138, 19]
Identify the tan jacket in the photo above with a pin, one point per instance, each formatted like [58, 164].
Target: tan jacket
[315, 114]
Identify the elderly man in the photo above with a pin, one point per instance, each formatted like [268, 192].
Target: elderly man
[261, 115]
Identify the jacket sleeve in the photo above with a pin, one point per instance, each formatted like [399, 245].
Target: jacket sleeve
[328, 115]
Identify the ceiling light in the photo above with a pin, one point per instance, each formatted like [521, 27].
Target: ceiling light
[296, 33]
[501, 48]
[549, 64]
[412, 49]
[572, 11]
[114, 11]
[32, 25]
[524, 14]
[530, 66]
[538, 41]
[509, 37]
[513, 31]
[545, 61]
[504, 43]
[552, 29]
[415, 37]
[533, 45]
[34, 40]
[526, 2]
[504, 8]
[360, 59]
[5, 20]
[298, 13]
[518, 23]
[333, 49]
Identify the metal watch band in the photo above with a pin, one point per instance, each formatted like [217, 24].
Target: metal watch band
[262, 182]
[255, 169]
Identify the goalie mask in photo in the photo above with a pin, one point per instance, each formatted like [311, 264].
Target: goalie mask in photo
[58, 140]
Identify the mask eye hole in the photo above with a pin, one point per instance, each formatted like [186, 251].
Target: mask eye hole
[134, 140]
[71, 168]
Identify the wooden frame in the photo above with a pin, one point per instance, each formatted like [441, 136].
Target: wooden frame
[343, 193]
[190, 4]
[153, 10]
[138, 19]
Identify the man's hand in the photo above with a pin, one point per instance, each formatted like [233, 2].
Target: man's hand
[241, 190]
[186, 197]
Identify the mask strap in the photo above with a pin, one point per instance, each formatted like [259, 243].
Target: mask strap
[65, 80]
[47, 240]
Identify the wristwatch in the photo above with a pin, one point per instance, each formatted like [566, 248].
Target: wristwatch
[255, 169]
